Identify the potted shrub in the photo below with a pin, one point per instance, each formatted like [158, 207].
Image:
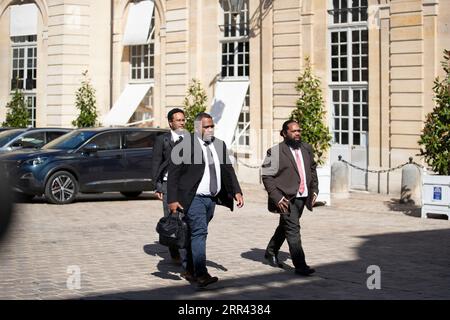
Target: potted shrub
[435, 142]
[310, 114]
[194, 102]
[87, 105]
[18, 114]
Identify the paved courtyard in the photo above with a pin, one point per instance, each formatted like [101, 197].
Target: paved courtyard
[113, 243]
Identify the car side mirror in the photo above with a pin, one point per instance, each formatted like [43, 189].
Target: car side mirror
[90, 148]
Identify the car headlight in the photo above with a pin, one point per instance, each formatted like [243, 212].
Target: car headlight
[36, 161]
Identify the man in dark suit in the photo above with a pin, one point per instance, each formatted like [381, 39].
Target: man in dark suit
[201, 176]
[290, 178]
[161, 158]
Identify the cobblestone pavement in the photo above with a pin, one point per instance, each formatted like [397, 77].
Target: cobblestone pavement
[113, 243]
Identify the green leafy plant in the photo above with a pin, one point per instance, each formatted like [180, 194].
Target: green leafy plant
[435, 137]
[310, 113]
[18, 115]
[194, 103]
[86, 104]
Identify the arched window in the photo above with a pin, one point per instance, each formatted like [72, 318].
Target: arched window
[235, 62]
[349, 83]
[23, 37]
[142, 57]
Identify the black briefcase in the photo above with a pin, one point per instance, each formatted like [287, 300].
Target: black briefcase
[173, 231]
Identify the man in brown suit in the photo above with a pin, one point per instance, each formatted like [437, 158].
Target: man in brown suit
[290, 178]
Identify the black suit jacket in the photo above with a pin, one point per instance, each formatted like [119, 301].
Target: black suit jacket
[161, 155]
[281, 177]
[186, 169]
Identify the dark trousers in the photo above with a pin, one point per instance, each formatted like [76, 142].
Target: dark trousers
[289, 229]
[174, 252]
[198, 217]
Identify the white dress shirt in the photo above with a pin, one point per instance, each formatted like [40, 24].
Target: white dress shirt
[305, 193]
[203, 187]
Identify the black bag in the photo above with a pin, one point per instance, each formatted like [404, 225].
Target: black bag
[173, 232]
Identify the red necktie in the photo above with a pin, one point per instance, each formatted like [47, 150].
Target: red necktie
[301, 188]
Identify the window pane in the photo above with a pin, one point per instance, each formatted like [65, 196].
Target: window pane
[345, 110]
[138, 140]
[345, 124]
[364, 48]
[336, 137]
[344, 95]
[108, 141]
[335, 63]
[336, 124]
[356, 125]
[364, 62]
[365, 75]
[365, 126]
[334, 37]
[364, 35]
[356, 96]
[336, 94]
[356, 139]
[336, 110]
[364, 94]
[334, 50]
[365, 110]
[335, 76]
[344, 138]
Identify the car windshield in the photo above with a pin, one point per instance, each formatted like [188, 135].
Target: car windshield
[70, 141]
[7, 136]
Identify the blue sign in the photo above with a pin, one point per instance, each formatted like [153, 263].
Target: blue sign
[437, 193]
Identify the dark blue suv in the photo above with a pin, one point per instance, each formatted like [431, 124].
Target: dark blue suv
[85, 161]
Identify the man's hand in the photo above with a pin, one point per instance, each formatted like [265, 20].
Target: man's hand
[240, 200]
[159, 195]
[283, 205]
[174, 206]
[314, 199]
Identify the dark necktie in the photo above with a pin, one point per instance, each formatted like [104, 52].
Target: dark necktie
[212, 170]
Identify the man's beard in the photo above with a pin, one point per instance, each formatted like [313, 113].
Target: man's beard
[294, 144]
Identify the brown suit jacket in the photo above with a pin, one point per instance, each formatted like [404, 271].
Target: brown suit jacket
[281, 178]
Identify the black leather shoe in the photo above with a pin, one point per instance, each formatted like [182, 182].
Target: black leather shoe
[273, 260]
[304, 271]
[189, 276]
[206, 280]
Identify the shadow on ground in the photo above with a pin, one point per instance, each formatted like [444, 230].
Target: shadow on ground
[414, 265]
[408, 209]
[166, 268]
[411, 210]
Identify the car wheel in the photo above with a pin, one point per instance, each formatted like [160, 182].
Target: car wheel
[131, 194]
[61, 188]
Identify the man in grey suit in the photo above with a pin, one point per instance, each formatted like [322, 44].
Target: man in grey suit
[290, 178]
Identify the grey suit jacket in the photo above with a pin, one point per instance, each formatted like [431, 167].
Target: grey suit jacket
[281, 177]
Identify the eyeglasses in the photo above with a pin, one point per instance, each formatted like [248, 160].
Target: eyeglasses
[208, 127]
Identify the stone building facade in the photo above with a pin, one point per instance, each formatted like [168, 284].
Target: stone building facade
[376, 59]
